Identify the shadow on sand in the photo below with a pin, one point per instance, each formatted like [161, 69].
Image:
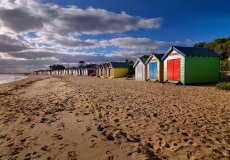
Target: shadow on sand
[224, 76]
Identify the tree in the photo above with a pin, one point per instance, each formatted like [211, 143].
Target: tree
[219, 45]
[56, 67]
[90, 65]
[199, 45]
[81, 63]
[225, 65]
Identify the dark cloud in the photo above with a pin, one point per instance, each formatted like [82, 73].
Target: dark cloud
[73, 43]
[29, 62]
[93, 21]
[19, 20]
[8, 44]
[60, 57]
[20, 66]
[33, 55]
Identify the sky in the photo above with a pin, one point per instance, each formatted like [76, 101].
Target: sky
[35, 34]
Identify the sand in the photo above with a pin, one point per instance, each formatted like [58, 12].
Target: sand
[84, 118]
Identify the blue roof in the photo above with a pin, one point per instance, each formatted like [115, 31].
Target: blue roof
[191, 51]
[143, 60]
[119, 65]
[158, 56]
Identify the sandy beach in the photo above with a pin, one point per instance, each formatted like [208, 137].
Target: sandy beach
[85, 118]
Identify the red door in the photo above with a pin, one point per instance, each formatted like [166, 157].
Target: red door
[170, 69]
[176, 71]
[173, 67]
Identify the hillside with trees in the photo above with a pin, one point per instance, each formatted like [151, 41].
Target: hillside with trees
[221, 46]
[56, 67]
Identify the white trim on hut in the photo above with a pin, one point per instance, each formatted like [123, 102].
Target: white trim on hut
[155, 67]
[140, 69]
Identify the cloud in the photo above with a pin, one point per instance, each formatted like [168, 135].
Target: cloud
[34, 35]
[33, 55]
[18, 20]
[20, 66]
[57, 41]
[38, 59]
[30, 15]
[61, 57]
[73, 43]
[134, 43]
[97, 21]
[9, 44]
[141, 43]
[126, 54]
[130, 48]
[57, 26]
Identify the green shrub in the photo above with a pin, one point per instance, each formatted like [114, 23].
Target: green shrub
[131, 72]
[223, 86]
[225, 65]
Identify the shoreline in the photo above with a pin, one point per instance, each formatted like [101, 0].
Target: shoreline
[12, 80]
[69, 117]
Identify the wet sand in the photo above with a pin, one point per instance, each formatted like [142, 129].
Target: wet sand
[84, 118]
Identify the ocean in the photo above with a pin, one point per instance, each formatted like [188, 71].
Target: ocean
[6, 78]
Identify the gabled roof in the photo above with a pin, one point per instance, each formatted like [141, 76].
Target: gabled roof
[191, 51]
[157, 56]
[102, 66]
[119, 65]
[105, 65]
[142, 60]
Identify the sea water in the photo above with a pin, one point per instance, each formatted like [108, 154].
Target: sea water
[6, 78]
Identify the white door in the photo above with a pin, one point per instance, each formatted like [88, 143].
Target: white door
[139, 72]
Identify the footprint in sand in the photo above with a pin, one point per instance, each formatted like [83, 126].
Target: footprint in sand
[58, 136]
[72, 155]
[43, 120]
[148, 144]
[88, 128]
[45, 148]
